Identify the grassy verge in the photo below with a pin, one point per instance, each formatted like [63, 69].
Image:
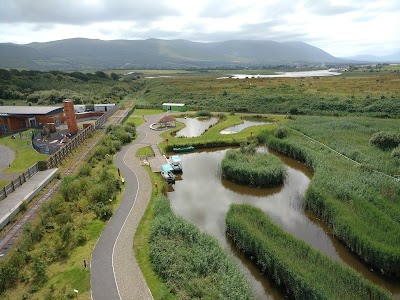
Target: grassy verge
[191, 263]
[3, 183]
[144, 152]
[141, 245]
[361, 206]
[304, 272]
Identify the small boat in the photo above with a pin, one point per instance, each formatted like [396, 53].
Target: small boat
[183, 149]
[167, 173]
[176, 163]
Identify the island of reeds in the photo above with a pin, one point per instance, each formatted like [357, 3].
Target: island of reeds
[246, 166]
[302, 271]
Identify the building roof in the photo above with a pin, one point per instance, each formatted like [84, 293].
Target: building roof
[28, 110]
[166, 119]
[173, 104]
[105, 104]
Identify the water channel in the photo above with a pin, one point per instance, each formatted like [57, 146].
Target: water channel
[203, 197]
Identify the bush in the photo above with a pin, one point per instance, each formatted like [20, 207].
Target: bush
[396, 153]
[280, 132]
[203, 113]
[385, 139]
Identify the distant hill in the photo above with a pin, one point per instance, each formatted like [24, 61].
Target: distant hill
[393, 58]
[80, 53]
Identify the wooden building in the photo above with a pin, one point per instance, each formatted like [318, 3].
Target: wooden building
[14, 118]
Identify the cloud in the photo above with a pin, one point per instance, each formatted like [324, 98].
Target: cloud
[82, 11]
[337, 26]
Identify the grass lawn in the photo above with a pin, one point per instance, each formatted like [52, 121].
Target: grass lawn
[213, 133]
[25, 155]
[3, 183]
[145, 151]
[141, 112]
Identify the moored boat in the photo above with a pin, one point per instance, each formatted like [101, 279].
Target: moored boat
[167, 173]
[176, 163]
[183, 149]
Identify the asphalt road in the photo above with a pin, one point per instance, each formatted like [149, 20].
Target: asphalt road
[103, 283]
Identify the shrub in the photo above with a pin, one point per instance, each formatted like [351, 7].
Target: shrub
[203, 113]
[385, 139]
[396, 153]
[280, 132]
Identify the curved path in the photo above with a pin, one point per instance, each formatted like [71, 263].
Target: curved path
[115, 273]
[7, 156]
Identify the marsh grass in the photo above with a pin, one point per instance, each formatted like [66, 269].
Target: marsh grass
[362, 207]
[254, 169]
[190, 262]
[301, 270]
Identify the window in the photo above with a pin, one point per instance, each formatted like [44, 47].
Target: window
[4, 128]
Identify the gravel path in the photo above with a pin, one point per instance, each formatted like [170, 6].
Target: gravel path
[115, 273]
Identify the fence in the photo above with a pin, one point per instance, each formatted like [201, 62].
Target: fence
[66, 150]
[18, 181]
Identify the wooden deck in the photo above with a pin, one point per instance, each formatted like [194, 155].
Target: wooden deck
[158, 159]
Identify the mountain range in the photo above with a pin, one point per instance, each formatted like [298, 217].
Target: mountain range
[84, 54]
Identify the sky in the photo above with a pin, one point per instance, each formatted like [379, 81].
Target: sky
[342, 28]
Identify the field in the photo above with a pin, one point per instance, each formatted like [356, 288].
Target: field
[374, 94]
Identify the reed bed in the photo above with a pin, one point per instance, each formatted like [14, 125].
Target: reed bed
[192, 264]
[362, 207]
[254, 169]
[302, 271]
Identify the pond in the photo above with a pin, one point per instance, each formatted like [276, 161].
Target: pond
[203, 197]
[240, 127]
[195, 126]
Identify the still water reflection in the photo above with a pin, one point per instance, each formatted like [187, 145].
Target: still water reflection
[203, 197]
[240, 127]
[195, 126]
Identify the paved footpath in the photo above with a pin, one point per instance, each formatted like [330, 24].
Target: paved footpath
[7, 156]
[115, 273]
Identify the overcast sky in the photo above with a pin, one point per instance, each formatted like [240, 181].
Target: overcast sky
[342, 28]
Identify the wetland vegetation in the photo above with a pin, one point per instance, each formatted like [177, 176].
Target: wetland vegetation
[246, 166]
[345, 113]
[301, 271]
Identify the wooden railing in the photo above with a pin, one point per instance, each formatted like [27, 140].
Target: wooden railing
[18, 181]
[57, 158]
